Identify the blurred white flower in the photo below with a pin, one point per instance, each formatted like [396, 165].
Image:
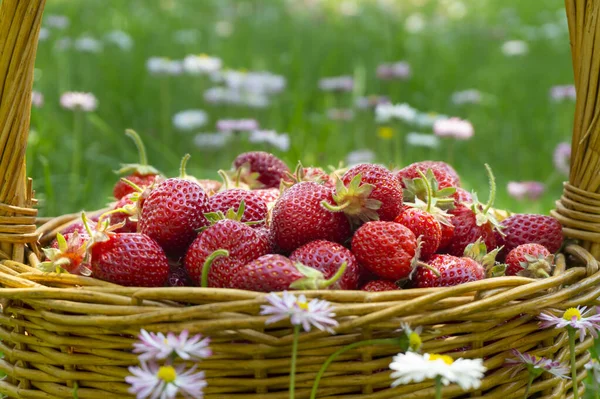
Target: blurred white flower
[562, 158]
[427, 119]
[415, 23]
[559, 93]
[44, 34]
[186, 36]
[422, 140]
[257, 82]
[396, 70]
[211, 140]
[337, 83]
[237, 125]
[190, 119]
[360, 156]
[552, 30]
[455, 9]
[370, 101]
[87, 44]
[122, 39]
[453, 127]
[223, 28]
[201, 64]
[348, 8]
[280, 141]
[63, 44]
[75, 100]
[225, 95]
[57, 21]
[37, 99]
[340, 114]
[469, 96]
[515, 47]
[403, 112]
[164, 66]
[521, 190]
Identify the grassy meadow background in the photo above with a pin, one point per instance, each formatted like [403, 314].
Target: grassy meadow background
[451, 46]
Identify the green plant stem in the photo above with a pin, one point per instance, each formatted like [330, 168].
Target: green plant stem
[208, 263]
[438, 387]
[333, 356]
[76, 154]
[572, 336]
[293, 365]
[529, 382]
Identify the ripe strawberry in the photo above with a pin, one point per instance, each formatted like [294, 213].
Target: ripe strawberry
[270, 169]
[277, 273]
[461, 196]
[467, 229]
[142, 174]
[529, 260]
[327, 257]
[299, 217]
[130, 259]
[311, 173]
[380, 285]
[453, 271]
[172, 213]
[527, 229]
[128, 209]
[78, 226]
[424, 226]
[387, 249]
[447, 235]
[242, 242]
[268, 195]
[444, 174]
[67, 253]
[255, 209]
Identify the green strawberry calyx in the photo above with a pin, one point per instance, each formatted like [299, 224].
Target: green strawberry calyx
[420, 187]
[141, 168]
[478, 252]
[242, 177]
[314, 279]
[231, 214]
[536, 266]
[483, 212]
[208, 264]
[299, 175]
[354, 200]
[68, 256]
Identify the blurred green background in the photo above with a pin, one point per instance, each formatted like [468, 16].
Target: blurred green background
[450, 46]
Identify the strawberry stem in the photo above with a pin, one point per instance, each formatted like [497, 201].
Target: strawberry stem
[430, 268]
[208, 263]
[139, 144]
[492, 198]
[335, 208]
[182, 166]
[428, 190]
[338, 274]
[132, 184]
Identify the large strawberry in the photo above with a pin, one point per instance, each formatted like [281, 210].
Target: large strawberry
[277, 273]
[387, 249]
[173, 212]
[327, 257]
[269, 168]
[299, 217]
[529, 260]
[142, 174]
[530, 229]
[224, 248]
[255, 209]
[130, 259]
[452, 271]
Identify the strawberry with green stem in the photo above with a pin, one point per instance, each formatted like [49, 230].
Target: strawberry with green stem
[270, 170]
[67, 254]
[451, 270]
[529, 260]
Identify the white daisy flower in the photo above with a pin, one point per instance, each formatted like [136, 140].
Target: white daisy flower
[536, 365]
[211, 140]
[396, 70]
[316, 313]
[403, 112]
[37, 99]
[57, 21]
[564, 92]
[412, 367]
[164, 66]
[337, 83]
[122, 39]
[165, 382]
[422, 140]
[237, 125]
[360, 156]
[44, 34]
[157, 347]
[201, 64]
[453, 127]
[573, 318]
[521, 190]
[513, 48]
[280, 141]
[87, 44]
[74, 100]
[190, 119]
[469, 96]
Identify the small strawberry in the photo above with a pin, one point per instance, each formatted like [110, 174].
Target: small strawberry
[452, 271]
[327, 257]
[462, 196]
[67, 253]
[222, 249]
[425, 185]
[387, 249]
[380, 285]
[311, 173]
[424, 225]
[77, 226]
[269, 168]
[255, 209]
[444, 174]
[299, 217]
[530, 229]
[529, 260]
[140, 174]
[270, 273]
[125, 211]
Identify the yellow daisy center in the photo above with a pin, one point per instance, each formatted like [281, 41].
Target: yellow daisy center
[445, 358]
[167, 374]
[385, 132]
[302, 305]
[572, 312]
[414, 341]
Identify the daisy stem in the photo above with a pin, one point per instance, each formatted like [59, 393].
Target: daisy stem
[572, 332]
[528, 386]
[293, 365]
[438, 387]
[334, 355]
[76, 154]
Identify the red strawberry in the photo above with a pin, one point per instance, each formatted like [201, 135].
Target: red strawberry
[327, 257]
[529, 260]
[277, 273]
[461, 195]
[447, 235]
[140, 174]
[467, 229]
[380, 285]
[299, 217]
[444, 174]
[67, 253]
[424, 226]
[453, 270]
[128, 208]
[310, 173]
[243, 244]
[173, 212]
[387, 249]
[527, 229]
[268, 195]
[368, 192]
[130, 259]
[77, 226]
[270, 169]
[255, 209]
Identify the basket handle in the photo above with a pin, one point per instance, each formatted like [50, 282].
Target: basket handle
[20, 22]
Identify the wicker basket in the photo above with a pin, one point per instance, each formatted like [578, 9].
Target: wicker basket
[59, 332]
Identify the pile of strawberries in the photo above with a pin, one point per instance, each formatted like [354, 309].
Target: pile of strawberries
[267, 228]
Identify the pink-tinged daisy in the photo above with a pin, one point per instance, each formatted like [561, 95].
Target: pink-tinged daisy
[396, 70]
[75, 100]
[536, 365]
[37, 99]
[156, 346]
[337, 83]
[562, 157]
[165, 382]
[573, 318]
[453, 127]
[521, 190]
[564, 92]
[318, 313]
[236, 125]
